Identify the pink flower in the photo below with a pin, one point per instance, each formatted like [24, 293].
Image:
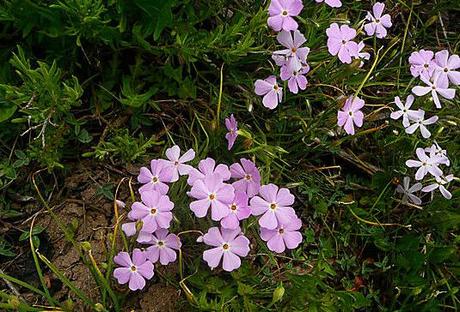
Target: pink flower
[129, 228]
[135, 272]
[425, 164]
[154, 211]
[207, 167]
[440, 182]
[279, 59]
[228, 244]
[446, 66]
[281, 13]
[284, 236]
[296, 79]
[232, 127]
[162, 247]
[274, 204]
[177, 162]
[421, 123]
[435, 86]
[294, 54]
[156, 178]
[238, 210]
[331, 3]
[422, 63]
[211, 192]
[248, 175]
[405, 111]
[408, 191]
[351, 114]
[340, 42]
[273, 94]
[378, 24]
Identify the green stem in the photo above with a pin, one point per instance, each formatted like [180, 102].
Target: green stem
[219, 99]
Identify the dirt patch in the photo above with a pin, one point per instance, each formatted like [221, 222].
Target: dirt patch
[89, 215]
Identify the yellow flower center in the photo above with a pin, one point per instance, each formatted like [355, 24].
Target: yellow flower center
[225, 246]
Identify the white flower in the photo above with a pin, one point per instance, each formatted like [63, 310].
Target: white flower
[436, 150]
[405, 111]
[440, 182]
[407, 190]
[425, 164]
[421, 123]
[362, 55]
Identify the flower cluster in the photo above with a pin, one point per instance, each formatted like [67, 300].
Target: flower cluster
[341, 42]
[228, 194]
[340, 38]
[292, 60]
[437, 71]
[151, 218]
[429, 161]
[231, 195]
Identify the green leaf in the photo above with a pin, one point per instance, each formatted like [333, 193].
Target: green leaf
[159, 11]
[7, 109]
[35, 231]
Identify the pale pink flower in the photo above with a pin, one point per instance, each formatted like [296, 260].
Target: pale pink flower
[228, 244]
[273, 94]
[134, 271]
[177, 162]
[207, 167]
[331, 3]
[340, 42]
[294, 52]
[274, 204]
[232, 134]
[296, 79]
[447, 67]
[351, 114]
[281, 13]
[378, 23]
[284, 236]
[211, 192]
[422, 63]
[238, 210]
[435, 86]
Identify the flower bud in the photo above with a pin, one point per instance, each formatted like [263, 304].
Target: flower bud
[86, 246]
[278, 293]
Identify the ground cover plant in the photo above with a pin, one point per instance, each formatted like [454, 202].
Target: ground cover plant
[283, 155]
